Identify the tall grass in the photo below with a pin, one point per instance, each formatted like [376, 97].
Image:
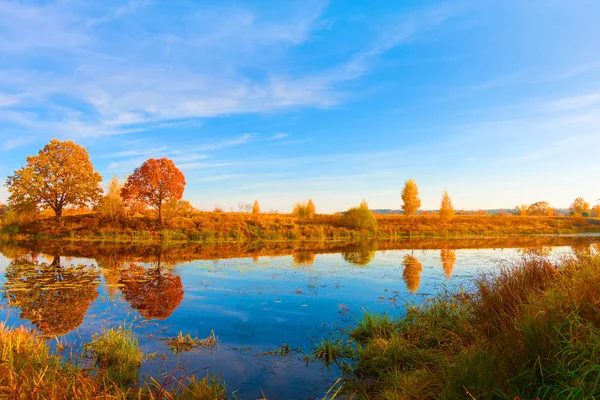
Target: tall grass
[29, 371]
[117, 352]
[530, 331]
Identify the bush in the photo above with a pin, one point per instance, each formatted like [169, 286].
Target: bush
[359, 218]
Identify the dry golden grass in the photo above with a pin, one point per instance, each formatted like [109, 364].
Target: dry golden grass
[209, 227]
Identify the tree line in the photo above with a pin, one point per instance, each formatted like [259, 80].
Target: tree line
[62, 175]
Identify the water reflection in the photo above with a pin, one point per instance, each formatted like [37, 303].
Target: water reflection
[154, 292]
[412, 273]
[360, 254]
[52, 297]
[304, 258]
[539, 251]
[253, 307]
[448, 258]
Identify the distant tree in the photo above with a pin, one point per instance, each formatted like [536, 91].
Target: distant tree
[585, 214]
[579, 206]
[359, 218]
[304, 210]
[311, 208]
[177, 208]
[155, 182]
[539, 208]
[245, 207]
[522, 210]
[110, 205]
[363, 204]
[410, 198]
[596, 211]
[446, 209]
[256, 207]
[61, 174]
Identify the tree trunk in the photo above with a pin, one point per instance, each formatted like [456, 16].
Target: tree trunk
[160, 213]
[58, 214]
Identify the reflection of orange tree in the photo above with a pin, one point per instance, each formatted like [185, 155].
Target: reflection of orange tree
[448, 260]
[154, 293]
[111, 266]
[539, 251]
[361, 254]
[54, 298]
[412, 273]
[304, 258]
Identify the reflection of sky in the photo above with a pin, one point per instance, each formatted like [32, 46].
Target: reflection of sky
[257, 306]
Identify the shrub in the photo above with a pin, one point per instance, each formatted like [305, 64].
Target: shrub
[359, 218]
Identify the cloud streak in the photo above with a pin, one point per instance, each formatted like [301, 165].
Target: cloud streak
[111, 81]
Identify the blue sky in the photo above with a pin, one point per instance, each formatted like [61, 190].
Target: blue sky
[497, 101]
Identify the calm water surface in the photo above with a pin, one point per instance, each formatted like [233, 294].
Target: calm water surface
[255, 298]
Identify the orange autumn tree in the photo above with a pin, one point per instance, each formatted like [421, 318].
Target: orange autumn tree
[446, 209]
[155, 182]
[256, 207]
[410, 198]
[60, 175]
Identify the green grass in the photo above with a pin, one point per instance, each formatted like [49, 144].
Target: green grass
[30, 371]
[530, 331]
[116, 352]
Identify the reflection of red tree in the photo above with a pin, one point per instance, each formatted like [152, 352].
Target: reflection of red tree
[54, 298]
[150, 291]
[412, 273]
[448, 260]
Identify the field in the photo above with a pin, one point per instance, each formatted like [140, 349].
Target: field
[210, 227]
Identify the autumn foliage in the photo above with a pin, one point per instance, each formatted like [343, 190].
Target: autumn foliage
[446, 209]
[154, 292]
[410, 198]
[155, 182]
[60, 175]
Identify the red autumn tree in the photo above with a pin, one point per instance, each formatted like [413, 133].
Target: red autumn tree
[155, 182]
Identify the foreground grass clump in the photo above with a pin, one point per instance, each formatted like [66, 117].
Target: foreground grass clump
[117, 352]
[531, 331]
[29, 370]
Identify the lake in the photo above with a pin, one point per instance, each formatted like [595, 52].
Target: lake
[267, 303]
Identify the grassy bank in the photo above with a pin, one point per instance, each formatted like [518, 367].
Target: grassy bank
[218, 227]
[108, 370]
[531, 331]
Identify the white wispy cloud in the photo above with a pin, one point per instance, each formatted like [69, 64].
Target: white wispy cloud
[190, 69]
[11, 144]
[279, 135]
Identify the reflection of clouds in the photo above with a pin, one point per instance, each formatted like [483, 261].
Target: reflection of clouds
[220, 311]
